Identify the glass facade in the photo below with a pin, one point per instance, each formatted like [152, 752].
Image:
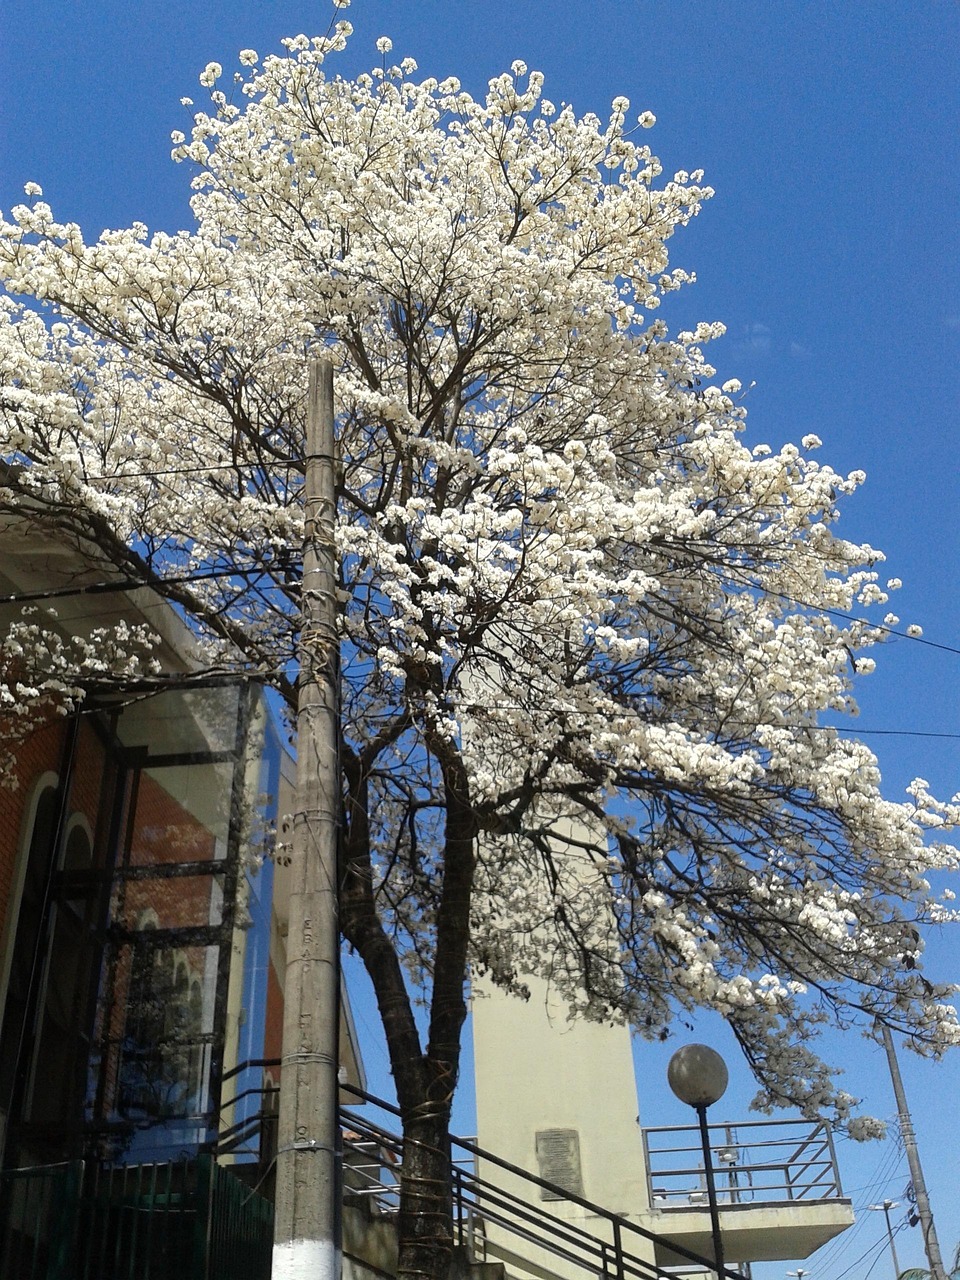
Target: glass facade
[140, 962]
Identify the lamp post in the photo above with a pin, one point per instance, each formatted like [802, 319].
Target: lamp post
[698, 1076]
[886, 1207]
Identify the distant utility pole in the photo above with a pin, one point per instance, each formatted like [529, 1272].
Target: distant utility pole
[306, 1237]
[930, 1242]
[885, 1209]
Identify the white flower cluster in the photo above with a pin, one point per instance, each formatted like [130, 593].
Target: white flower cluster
[45, 672]
[580, 615]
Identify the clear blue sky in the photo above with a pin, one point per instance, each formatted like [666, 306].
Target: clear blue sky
[829, 133]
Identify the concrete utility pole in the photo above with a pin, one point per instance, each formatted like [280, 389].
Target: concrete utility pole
[930, 1242]
[307, 1237]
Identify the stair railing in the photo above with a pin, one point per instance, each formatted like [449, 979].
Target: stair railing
[479, 1203]
[615, 1248]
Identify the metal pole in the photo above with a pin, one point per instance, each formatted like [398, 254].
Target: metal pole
[306, 1233]
[711, 1189]
[893, 1248]
[886, 1207]
[931, 1244]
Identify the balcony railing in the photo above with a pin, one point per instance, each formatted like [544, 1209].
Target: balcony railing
[755, 1163]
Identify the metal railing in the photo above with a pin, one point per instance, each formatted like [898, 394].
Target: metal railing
[497, 1213]
[195, 1218]
[38, 1221]
[759, 1162]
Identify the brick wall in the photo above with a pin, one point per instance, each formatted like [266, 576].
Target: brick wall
[40, 753]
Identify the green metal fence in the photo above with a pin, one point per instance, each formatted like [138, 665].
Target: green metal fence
[240, 1228]
[189, 1220]
[38, 1221]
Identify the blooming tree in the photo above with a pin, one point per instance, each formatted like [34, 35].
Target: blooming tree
[589, 636]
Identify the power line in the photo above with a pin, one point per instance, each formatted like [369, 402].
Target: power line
[132, 584]
[878, 1245]
[356, 465]
[852, 617]
[261, 674]
[890, 733]
[869, 1269]
[186, 471]
[121, 584]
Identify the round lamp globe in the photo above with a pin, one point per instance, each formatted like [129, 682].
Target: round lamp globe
[697, 1075]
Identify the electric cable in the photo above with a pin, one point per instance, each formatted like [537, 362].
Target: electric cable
[122, 584]
[156, 584]
[878, 1245]
[887, 1168]
[130, 584]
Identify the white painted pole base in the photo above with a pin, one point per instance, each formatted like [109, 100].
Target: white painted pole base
[305, 1260]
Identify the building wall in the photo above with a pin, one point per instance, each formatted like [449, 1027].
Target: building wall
[40, 753]
[558, 1097]
[538, 1073]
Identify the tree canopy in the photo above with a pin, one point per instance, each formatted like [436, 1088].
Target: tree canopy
[592, 641]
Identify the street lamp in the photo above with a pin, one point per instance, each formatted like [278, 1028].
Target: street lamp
[886, 1207]
[698, 1076]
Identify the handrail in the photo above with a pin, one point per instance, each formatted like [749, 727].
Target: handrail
[249, 1062]
[477, 1200]
[560, 1192]
[735, 1124]
[474, 1198]
[249, 1093]
[485, 1196]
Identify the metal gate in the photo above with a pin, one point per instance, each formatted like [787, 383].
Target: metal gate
[186, 1220]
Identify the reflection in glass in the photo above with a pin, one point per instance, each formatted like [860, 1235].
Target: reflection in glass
[163, 1054]
[182, 721]
[182, 814]
[142, 954]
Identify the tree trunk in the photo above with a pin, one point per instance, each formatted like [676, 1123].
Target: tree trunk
[425, 1223]
[425, 1081]
[426, 1183]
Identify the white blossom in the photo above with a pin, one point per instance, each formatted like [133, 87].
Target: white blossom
[581, 610]
[211, 74]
